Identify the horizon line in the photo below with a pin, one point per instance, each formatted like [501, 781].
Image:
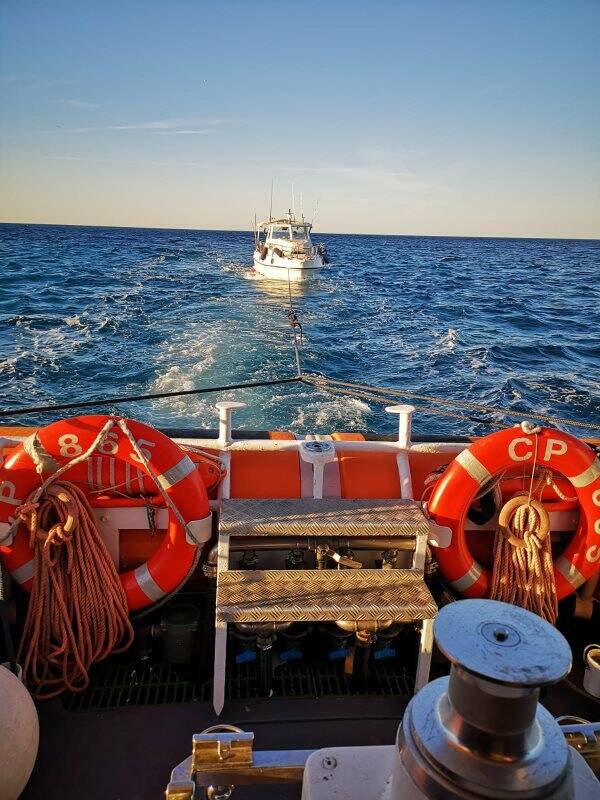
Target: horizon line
[321, 233]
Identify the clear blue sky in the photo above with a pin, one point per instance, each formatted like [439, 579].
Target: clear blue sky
[399, 117]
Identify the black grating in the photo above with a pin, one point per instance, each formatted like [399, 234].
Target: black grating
[314, 680]
[294, 680]
[125, 685]
[385, 679]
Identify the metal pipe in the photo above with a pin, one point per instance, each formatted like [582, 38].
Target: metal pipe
[310, 543]
[262, 628]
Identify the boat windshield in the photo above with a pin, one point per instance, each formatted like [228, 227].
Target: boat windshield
[299, 232]
[280, 232]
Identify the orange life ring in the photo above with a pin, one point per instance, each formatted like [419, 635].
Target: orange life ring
[58, 443]
[488, 456]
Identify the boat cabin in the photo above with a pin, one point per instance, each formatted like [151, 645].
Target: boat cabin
[288, 234]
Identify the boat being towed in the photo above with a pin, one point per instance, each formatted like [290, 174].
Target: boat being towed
[285, 251]
[290, 585]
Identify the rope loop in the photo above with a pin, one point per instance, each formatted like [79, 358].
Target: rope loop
[523, 571]
[523, 521]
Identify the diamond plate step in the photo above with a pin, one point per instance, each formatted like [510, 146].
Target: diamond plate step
[323, 595]
[327, 517]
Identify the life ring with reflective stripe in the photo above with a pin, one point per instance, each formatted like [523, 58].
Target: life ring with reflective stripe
[104, 473]
[490, 455]
[172, 469]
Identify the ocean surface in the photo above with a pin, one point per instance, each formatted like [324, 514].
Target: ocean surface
[90, 312]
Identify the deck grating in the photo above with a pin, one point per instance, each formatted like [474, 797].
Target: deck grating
[124, 686]
[127, 686]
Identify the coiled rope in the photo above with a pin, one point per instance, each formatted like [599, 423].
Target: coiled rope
[523, 570]
[77, 612]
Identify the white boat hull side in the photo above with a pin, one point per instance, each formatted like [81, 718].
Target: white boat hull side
[283, 269]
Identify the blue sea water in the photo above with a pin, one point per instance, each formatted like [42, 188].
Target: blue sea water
[87, 312]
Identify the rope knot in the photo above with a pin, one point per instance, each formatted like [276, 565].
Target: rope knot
[530, 428]
[60, 533]
[28, 513]
[27, 508]
[522, 521]
[523, 573]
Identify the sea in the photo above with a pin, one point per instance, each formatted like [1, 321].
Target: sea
[94, 312]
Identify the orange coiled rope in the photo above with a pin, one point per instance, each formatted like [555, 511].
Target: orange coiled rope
[77, 610]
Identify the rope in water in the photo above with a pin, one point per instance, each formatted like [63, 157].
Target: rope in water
[321, 381]
[369, 393]
[107, 401]
[77, 612]
[374, 396]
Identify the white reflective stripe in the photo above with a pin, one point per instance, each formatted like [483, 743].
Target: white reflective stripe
[24, 573]
[200, 530]
[99, 462]
[587, 476]
[474, 467]
[90, 471]
[569, 572]
[140, 480]
[176, 473]
[147, 583]
[111, 473]
[128, 477]
[468, 579]
[6, 534]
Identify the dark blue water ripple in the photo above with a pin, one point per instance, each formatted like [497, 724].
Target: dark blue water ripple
[86, 312]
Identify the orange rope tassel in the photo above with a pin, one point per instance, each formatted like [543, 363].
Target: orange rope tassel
[523, 571]
[77, 610]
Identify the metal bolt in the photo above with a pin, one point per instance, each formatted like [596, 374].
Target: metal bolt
[329, 762]
[219, 792]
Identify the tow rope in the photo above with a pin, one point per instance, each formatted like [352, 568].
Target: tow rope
[77, 612]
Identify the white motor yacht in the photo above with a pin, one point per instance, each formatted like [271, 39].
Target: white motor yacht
[283, 250]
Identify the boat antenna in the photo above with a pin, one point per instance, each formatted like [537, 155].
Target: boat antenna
[271, 206]
[293, 202]
[315, 212]
[301, 207]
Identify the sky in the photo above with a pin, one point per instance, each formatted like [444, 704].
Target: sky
[445, 118]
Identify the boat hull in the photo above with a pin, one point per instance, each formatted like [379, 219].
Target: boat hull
[288, 269]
